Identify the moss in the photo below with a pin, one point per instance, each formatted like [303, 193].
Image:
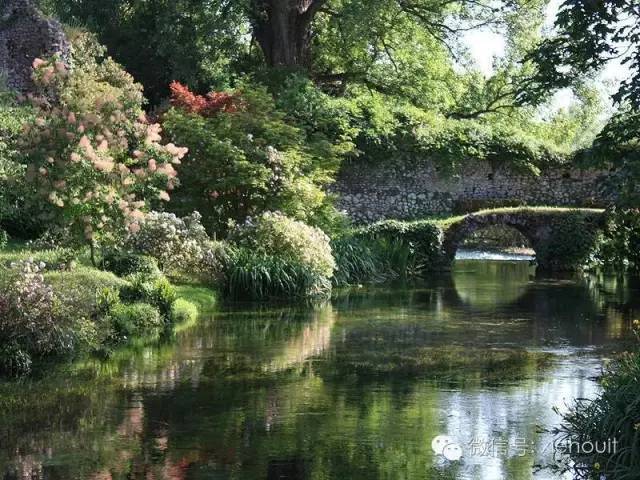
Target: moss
[444, 223]
[202, 297]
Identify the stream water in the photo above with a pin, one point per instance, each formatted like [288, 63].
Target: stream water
[358, 388]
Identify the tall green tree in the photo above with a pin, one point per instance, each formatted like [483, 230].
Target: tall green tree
[158, 41]
[588, 36]
[404, 48]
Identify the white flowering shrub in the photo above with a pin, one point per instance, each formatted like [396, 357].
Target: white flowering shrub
[214, 261]
[275, 234]
[178, 244]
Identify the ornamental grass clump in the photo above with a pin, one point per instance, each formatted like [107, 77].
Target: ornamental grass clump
[273, 233]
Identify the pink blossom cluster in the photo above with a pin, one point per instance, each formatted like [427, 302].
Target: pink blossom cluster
[91, 158]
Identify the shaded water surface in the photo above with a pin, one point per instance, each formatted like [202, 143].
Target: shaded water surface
[356, 389]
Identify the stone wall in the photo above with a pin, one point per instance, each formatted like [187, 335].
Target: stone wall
[412, 190]
[25, 34]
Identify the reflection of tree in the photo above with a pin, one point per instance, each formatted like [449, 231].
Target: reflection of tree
[263, 393]
[94, 414]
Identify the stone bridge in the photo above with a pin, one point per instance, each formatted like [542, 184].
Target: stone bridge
[562, 238]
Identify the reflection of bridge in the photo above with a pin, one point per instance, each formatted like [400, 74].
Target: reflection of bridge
[561, 237]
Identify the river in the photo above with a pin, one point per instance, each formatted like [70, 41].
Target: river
[358, 388]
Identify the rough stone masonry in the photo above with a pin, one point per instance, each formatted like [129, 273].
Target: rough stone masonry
[411, 190]
[26, 34]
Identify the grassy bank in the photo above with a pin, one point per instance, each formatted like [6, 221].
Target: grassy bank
[55, 306]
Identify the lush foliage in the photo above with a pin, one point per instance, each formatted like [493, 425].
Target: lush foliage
[613, 414]
[387, 250]
[92, 156]
[178, 244]
[134, 319]
[357, 261]
[183, 311]
[273, 233]
[570, 244]
[34, 320]
[588, 36]
[420, 240]
[619, 245]
[50, 312]
[12, 189]
[276, 256]
[257, 275]
[246, 160]
[124, 264]
[155, 291]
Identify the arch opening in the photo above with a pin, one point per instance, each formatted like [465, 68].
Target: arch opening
[495, 242]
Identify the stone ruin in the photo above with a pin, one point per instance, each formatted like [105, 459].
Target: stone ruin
[26, 34]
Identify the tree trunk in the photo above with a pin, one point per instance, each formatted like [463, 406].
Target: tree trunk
[283, 30]
[92, 250]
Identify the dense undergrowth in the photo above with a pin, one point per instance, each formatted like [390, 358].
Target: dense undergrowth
[60, 310]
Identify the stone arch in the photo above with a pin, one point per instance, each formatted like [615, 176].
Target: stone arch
[460, 231]
[540, 226]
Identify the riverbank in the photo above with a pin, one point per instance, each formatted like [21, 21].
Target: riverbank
[55, 306]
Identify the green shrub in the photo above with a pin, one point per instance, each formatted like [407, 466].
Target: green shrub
[619, 244]
[36, 321]
[257, 276]
[357, 261]
[215, 258]
[14, 216]
[183, 311]
[4, 238]
[82, 288]
[177, 244]
[135, 319]
[275, 234]
[107, 298]
[570, 243]
[14, 361]
[404, 248]
[155, 291]
[125, 263]
[613, 414]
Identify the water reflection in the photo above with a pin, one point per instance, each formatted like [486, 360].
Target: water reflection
[352, 390]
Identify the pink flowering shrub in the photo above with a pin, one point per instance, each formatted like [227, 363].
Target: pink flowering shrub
[33, 320]
[95, 162]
